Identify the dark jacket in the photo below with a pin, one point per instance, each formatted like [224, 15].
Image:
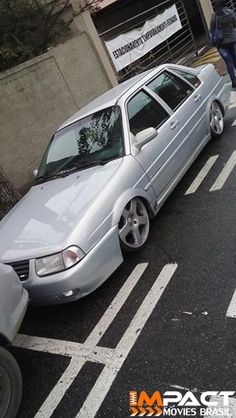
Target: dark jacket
[227, 21]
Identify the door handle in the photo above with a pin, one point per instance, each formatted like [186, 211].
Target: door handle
[174, 124]
[197, 97]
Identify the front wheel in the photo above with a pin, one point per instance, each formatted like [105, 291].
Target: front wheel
[10, 385]
[134, 226]
[216, 120]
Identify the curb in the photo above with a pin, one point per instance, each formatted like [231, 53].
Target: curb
[210, 55]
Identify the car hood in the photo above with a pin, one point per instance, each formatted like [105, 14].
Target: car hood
[41, 223]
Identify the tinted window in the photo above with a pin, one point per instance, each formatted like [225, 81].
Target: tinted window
[145, 112]
[171, 89]
[189, 77]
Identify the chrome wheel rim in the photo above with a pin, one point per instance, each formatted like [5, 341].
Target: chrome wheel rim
[134, 224]
[5, 392]
[216, 119]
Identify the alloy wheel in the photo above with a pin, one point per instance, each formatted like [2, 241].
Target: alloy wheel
[216, 119]
[134, 225]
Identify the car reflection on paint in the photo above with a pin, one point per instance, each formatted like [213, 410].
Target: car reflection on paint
[105, 172]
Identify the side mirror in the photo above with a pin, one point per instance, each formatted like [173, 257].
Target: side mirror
[35, 173]
[145, 136]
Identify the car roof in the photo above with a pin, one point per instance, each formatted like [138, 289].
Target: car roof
[111, 97]
[107, 99]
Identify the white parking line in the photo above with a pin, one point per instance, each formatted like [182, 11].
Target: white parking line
[60, 389]
[232, 100]
[225, 173]
[231, 312]
[113, 359]
[66, 348]
[108, 375]
[116, 305]
[202, 175]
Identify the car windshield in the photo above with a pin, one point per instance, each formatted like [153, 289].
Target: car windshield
[95, 139]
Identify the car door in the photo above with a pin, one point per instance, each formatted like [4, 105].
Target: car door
[160, 158]
[183, 93]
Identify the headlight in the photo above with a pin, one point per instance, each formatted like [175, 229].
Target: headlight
[58, 262]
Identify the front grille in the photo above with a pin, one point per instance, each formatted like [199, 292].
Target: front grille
[21, 268]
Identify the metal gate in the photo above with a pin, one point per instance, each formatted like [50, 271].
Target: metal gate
[178, 48]
[230, 3]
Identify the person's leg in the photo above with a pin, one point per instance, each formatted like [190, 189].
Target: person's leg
[228, 57]
[233, 52]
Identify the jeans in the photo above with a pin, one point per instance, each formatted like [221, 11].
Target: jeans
[228, 53]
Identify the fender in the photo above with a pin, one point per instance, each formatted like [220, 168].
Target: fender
[126, 197]
[213, 98]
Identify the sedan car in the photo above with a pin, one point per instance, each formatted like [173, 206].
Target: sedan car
[105, 172]
[13, 304]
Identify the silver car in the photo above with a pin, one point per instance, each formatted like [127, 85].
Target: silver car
[105, 172]
[13, 304]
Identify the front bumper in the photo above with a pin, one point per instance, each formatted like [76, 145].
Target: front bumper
[79, 280]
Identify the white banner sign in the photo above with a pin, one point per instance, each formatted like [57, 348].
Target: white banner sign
[130, 46]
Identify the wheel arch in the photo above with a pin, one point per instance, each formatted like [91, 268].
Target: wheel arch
[212, 100]
[125, 198]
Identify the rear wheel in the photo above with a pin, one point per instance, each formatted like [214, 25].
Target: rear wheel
[216, 120]
[134, 225]
[10, 385]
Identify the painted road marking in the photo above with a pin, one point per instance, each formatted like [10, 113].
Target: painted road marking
[116, 305]
[202, 175]
[225, 173]
[231, 312]
[210, 56]
[234, 123]
[112, 359]
[60, 389]
[220, 405]
[108, 375]
[80, 353]
[232, 100]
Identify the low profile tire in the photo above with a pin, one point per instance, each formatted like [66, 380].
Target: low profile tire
[10, 385]
[216, 120]
[134, 226]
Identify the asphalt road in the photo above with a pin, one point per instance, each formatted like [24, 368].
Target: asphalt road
[185, 337]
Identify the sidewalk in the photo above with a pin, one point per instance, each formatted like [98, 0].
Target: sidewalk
[210, 55]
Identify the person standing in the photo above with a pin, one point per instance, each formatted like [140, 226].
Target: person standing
[225, 20]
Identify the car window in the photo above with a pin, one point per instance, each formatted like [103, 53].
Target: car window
[98, 137]
[171, 89]
[189, 77]
[145, 112]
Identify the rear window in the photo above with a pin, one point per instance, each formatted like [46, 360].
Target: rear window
[191, 78]
[170, 88]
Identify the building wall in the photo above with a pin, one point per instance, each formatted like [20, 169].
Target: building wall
[39, 95]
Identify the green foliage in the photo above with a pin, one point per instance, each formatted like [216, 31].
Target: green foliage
[28, 28]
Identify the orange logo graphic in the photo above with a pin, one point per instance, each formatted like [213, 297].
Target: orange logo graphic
[143, 405]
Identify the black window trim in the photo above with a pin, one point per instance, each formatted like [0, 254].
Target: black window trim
[153, 96]
[172, 70]
[167, 70]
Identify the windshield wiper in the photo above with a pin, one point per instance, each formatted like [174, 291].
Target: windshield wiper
[80, 165]
[83, 164]
[69, 170]
[50, 177]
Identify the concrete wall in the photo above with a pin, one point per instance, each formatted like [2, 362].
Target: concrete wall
[37, 96]
[207, 10]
